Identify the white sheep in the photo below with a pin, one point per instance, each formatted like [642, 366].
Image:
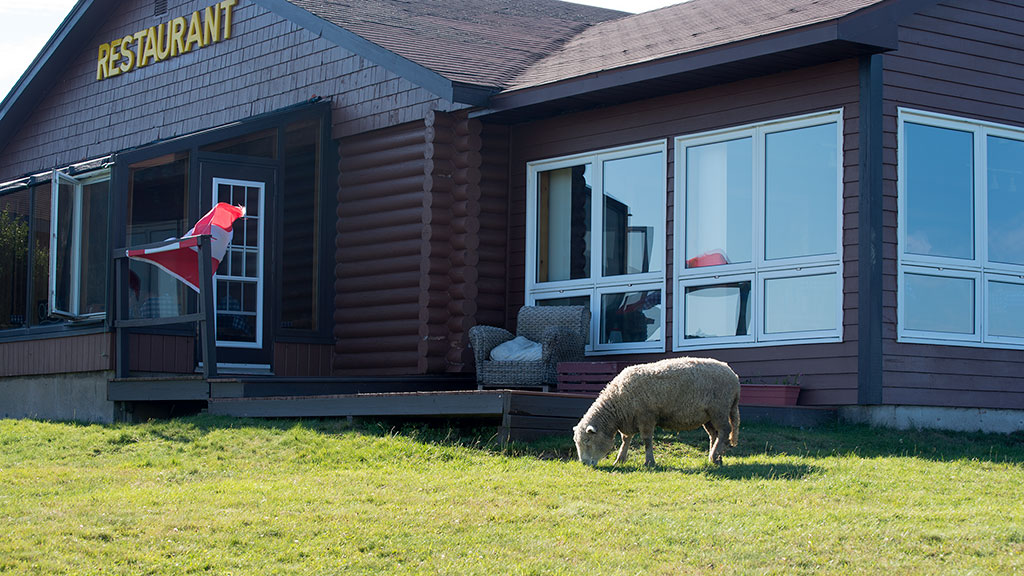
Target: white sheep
[676, 394]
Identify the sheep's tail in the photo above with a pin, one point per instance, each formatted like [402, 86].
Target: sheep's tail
[734, 421]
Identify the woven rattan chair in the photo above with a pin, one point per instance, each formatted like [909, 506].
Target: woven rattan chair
[561, 331]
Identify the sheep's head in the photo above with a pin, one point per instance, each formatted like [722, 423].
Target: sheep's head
[591, 444]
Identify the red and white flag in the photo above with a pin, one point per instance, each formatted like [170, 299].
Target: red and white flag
[181, 258]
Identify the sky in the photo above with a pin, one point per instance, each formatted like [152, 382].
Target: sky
[26, 25]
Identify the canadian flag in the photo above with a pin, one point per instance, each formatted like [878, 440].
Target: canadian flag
[180, 258]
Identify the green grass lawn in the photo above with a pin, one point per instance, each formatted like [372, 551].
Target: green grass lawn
[222, 496]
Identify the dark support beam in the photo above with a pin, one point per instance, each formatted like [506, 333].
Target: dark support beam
[869, 283]
[208, 338]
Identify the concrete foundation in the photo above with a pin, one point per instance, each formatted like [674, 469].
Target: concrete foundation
[76, 397]
[917, 417]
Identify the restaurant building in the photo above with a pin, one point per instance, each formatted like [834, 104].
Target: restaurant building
[822, 193]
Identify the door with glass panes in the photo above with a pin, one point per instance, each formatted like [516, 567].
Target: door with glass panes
[240, 284]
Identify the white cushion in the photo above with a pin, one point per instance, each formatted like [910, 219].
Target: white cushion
[518, 348]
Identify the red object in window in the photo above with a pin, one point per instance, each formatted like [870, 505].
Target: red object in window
[707, 259]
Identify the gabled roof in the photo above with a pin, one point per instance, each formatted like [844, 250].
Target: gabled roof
[481, 42]
[520, 58]
[679, 29]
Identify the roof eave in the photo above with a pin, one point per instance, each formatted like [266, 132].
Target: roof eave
[424, 77]
[866, 32]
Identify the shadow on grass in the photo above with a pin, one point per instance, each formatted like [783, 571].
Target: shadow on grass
[728, 471]
[835, 440]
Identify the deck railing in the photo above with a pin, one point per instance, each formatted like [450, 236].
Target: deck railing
[122, 322]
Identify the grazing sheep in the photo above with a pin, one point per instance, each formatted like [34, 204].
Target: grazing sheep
[676, 394]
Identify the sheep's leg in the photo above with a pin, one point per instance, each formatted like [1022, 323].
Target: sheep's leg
[712, 435]
[648, 436]
[719, 442]
[623, 450]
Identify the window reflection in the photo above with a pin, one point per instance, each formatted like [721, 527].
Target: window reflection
[631, 317]
[563, 224]
[717, 311]
[1005, 200]
[633, 222]
[157, 210]
[801, 195]
[1005, 309]
[939, 304]
[14, 261]
[719, 203]
[939, 191]
[799, 304]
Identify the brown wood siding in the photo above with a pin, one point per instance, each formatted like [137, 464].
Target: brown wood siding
[267, 64]
[380, 238]
[492, 284]
[161, 353]
[297, 359]
[965, 60]
[826, 372]
[85, 353]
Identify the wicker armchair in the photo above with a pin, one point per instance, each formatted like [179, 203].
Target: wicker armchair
[561, 331]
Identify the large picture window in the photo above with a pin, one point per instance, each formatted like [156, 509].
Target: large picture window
[961, 231]
[596, 237]
[758, 237]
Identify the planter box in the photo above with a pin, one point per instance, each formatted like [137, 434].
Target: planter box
[769, 394]
[587, 377]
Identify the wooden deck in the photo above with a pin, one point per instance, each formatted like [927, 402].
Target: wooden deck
[519, 414]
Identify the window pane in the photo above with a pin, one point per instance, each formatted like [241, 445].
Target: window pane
[800, 304]
[801, 199]
[14, 243]
[717, 311]
[157, 210]
[938, 304]
[563, 224]
[64, 244]
[1005, 200]
[634, 214]
[1006, 309]
[565, 301]
[719, 203]
[301, 207]
[939, 191]
[95, 255]
[631, 317]
[39, 314]
[568, 301]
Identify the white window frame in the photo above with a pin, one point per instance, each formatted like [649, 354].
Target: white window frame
[597, 284]
[260, 280]
[75, 229]
[759, 268]
[978, 268]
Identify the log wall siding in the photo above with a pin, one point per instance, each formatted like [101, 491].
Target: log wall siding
[268, 63]
[378, 253]
[492, 285]
[84, 353]
[408, 247]
[827, 372]
[963, 59]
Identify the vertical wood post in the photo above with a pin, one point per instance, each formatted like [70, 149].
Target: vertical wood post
[120, 313]
[206, 308]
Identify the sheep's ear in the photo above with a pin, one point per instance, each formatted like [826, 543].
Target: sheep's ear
[591, 430]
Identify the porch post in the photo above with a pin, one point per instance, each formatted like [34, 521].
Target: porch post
[209, 340]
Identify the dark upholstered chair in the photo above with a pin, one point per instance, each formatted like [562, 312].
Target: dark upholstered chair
[562, 332]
